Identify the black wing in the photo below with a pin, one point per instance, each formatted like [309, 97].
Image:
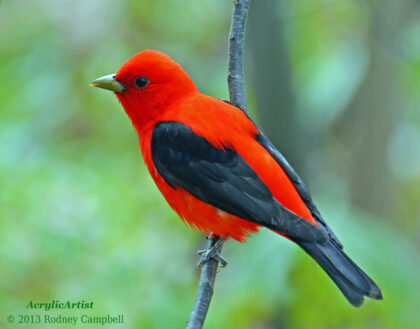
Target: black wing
[294, 178]
[350, 279]
[223, 179]
[297, 182]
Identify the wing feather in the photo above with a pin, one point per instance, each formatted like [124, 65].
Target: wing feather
[222, 178]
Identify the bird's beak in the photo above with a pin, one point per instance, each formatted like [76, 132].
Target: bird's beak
[108, 82]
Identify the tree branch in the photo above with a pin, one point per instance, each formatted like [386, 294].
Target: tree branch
[236, 45]
[237, 97]
[205, 289]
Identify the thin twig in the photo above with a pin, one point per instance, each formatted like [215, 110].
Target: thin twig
[237, 97]
[236, 45]
[205, 289]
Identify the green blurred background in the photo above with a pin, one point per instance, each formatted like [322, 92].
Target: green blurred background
[334, 83]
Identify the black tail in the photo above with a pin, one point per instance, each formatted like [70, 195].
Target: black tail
[349, 278]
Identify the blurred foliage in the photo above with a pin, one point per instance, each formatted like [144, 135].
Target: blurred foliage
[82, 220]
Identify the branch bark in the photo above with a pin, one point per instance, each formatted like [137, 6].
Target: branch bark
[237, 96]
[236, 44]
[205, 289]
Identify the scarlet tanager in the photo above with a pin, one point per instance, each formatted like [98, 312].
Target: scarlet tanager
[219, 172]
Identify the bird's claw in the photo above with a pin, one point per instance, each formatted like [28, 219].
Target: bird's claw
[212, 253]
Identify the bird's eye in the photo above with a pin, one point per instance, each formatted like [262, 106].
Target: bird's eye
[141, 82]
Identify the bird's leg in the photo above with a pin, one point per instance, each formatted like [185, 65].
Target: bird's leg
[213, 252]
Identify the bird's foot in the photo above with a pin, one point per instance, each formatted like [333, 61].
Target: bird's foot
[212, 253]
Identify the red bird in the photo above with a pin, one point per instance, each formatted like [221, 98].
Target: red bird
[219, 172]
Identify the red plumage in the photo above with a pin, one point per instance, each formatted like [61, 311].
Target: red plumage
[223, 125]
[218, 172]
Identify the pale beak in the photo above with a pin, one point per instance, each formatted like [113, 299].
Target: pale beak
[108, 82]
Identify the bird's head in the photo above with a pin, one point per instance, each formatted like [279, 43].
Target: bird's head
[147, 85]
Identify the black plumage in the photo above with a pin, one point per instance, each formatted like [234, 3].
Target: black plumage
[222, 178]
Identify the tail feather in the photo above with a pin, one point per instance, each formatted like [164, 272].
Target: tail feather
[349, 278]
